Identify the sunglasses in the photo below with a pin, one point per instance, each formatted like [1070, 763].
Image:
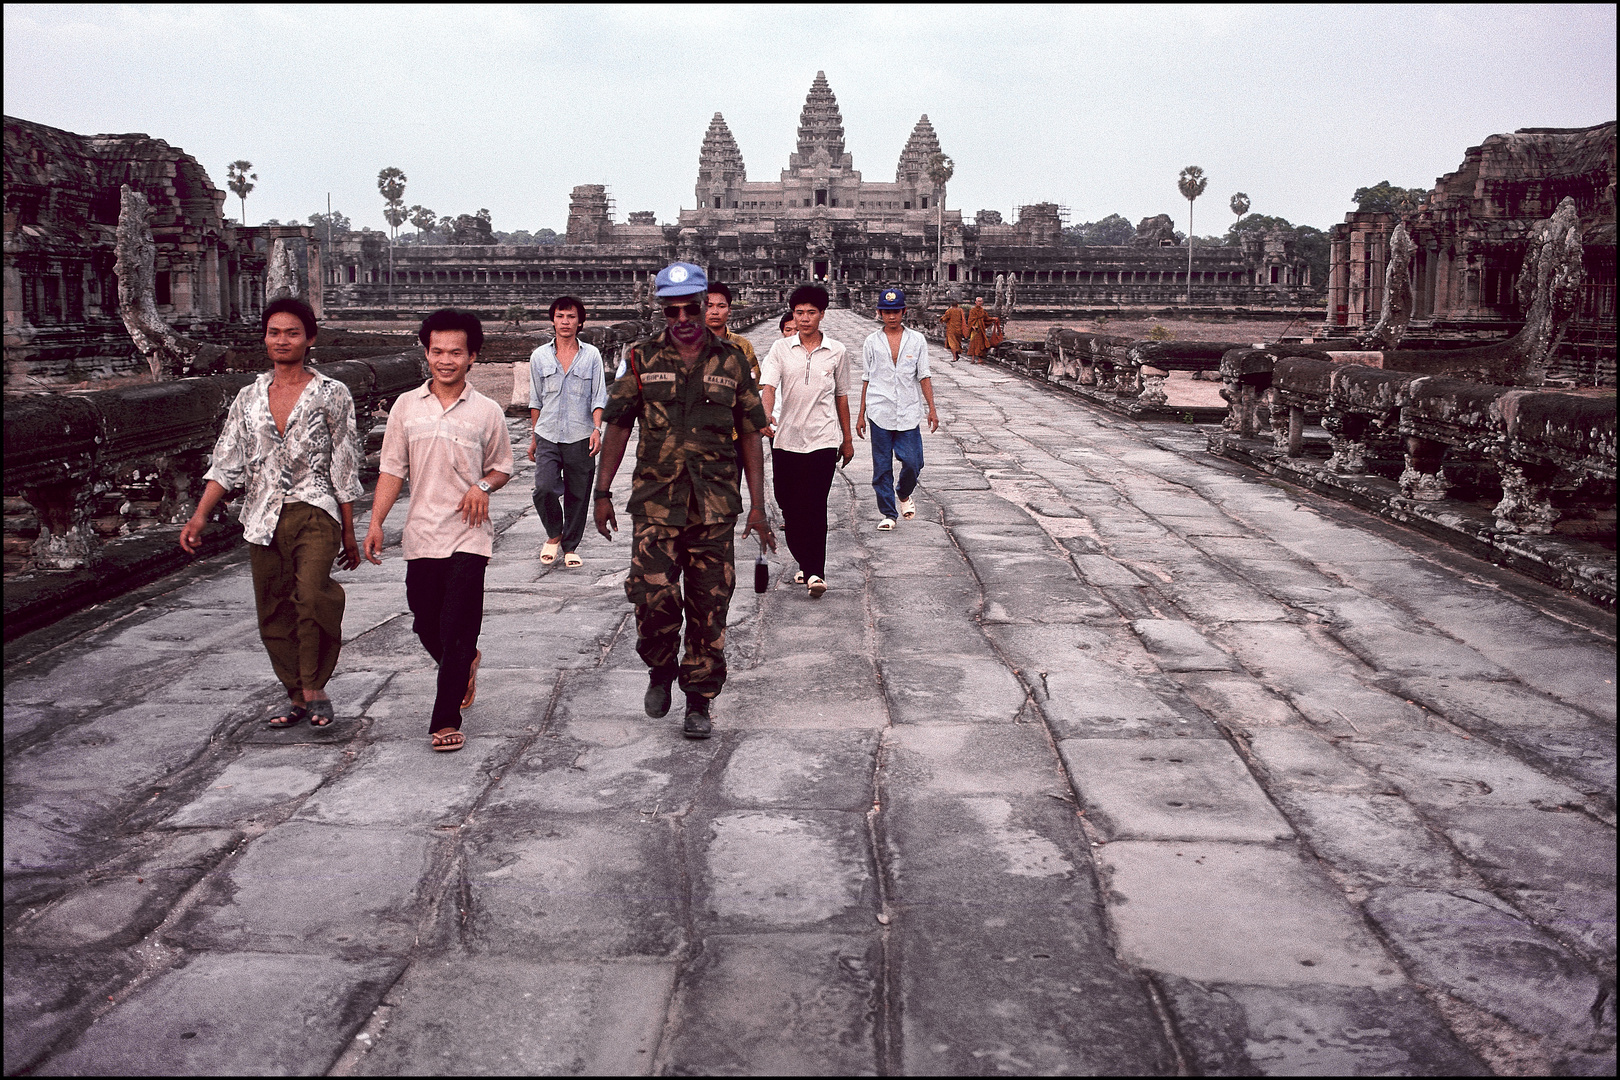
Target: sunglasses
[673, 311]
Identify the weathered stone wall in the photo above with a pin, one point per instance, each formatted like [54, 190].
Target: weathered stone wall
[61, 210]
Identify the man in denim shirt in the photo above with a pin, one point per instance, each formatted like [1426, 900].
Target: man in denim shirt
[895, 384]
[567, 393]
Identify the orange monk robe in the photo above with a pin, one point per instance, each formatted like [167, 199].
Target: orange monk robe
[955, 328]
[978, 323]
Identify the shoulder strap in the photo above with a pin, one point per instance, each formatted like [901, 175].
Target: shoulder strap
[633, 369]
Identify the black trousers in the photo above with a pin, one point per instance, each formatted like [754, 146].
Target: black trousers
[801, 483]
[566, 470]
[447, 598]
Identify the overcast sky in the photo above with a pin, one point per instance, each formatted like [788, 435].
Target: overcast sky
[1096, 108]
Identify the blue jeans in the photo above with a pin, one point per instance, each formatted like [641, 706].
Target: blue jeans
[886, 446]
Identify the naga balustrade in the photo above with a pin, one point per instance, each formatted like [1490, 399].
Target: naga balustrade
[95, 465]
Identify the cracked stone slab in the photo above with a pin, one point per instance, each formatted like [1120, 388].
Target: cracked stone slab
[1313, 1031]
[1441, 769]
[49, 994]
[352, 890]
[495, 1016]
[1238, 701]
[971, 687]
[190, 1020]
[782, 869]
[1178, 646]
[1377, 839]
[808, 769]
[778, 1005]
[1477, 948]
[566, 887]
[1198, 789]
[1218, 913]
[443, 787]
[259, 780]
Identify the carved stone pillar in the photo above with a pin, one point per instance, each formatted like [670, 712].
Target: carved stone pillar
[1153, 380]
[179, 478]
[1088, 371]
[66, 541]
[1349, 435]
[1526, 505]
[1424, 478]
[1278, 414]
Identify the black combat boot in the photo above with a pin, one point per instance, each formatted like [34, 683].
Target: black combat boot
[697, 717]
[658, 696]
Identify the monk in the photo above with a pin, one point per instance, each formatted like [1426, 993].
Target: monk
[978, 325]
[955, 328]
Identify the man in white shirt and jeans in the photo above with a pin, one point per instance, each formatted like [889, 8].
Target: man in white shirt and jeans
[567, 393]
[809, 374]
[895, 384]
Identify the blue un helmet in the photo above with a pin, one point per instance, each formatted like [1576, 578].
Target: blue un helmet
[680, 279]
[892, 299]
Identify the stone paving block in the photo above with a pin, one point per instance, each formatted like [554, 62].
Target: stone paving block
[1558, 868]
[1169, 559]
[209, 1018]
[778, 1005]
[442, 787]
[785, 869]
[1313, 1031]
[925, 686]
[561, 887]
[1301, 760]
[1208, 601]
[491, 1016]
[1053, 596]
[1203, 524]
[609, 764]
[353, 891]
[1440, 769]
[1178, 646]
[260, 780]
[1475, 947]
[1105, 570]
[125, 901]
[802, 769]
[829, 690]
[1193, 790]
[1239, 701]
[124, 673]
[1375, 839]
[240, 677]
[1229, 912]
[1389, 646]
[190, 630]
[1020, 988]
[49, 994]
[955, 759]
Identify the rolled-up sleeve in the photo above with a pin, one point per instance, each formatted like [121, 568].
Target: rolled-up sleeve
[497, 446]
[770, 369]
[841, 378]
[599, 391]
[396, 447]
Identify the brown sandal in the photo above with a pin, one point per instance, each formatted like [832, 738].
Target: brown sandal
[446, 740]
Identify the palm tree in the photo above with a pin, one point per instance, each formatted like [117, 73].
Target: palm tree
[391, 182]
[423, 219]
[940, 170]
[1192, 184]
[239, 180]
[1240, 206]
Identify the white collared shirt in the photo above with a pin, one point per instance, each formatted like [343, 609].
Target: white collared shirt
[894, 398]
[807, 385]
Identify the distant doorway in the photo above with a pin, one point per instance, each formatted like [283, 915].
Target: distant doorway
[821, 268]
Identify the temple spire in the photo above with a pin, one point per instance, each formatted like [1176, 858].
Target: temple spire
[820, 124]
[720, 160]
[923, 144]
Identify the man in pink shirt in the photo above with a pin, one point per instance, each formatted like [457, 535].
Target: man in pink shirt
[451, 442]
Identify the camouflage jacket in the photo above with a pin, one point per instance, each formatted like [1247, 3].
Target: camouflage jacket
[685, 460]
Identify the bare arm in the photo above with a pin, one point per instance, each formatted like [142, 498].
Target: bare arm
[351, 550]
[382, 501]
[534, 436]
[614, 440]
[748, 444]
[191, 535]
[860, 424]
[848, 449]
[928, 396]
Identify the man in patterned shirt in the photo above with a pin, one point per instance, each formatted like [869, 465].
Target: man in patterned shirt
[290, 438]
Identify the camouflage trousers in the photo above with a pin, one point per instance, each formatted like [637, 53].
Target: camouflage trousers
[661, 556]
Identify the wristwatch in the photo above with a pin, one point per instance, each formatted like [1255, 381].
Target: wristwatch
[605, 495]
[483, 485]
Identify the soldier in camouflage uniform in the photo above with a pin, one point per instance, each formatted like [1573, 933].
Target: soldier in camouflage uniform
[689, 389]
